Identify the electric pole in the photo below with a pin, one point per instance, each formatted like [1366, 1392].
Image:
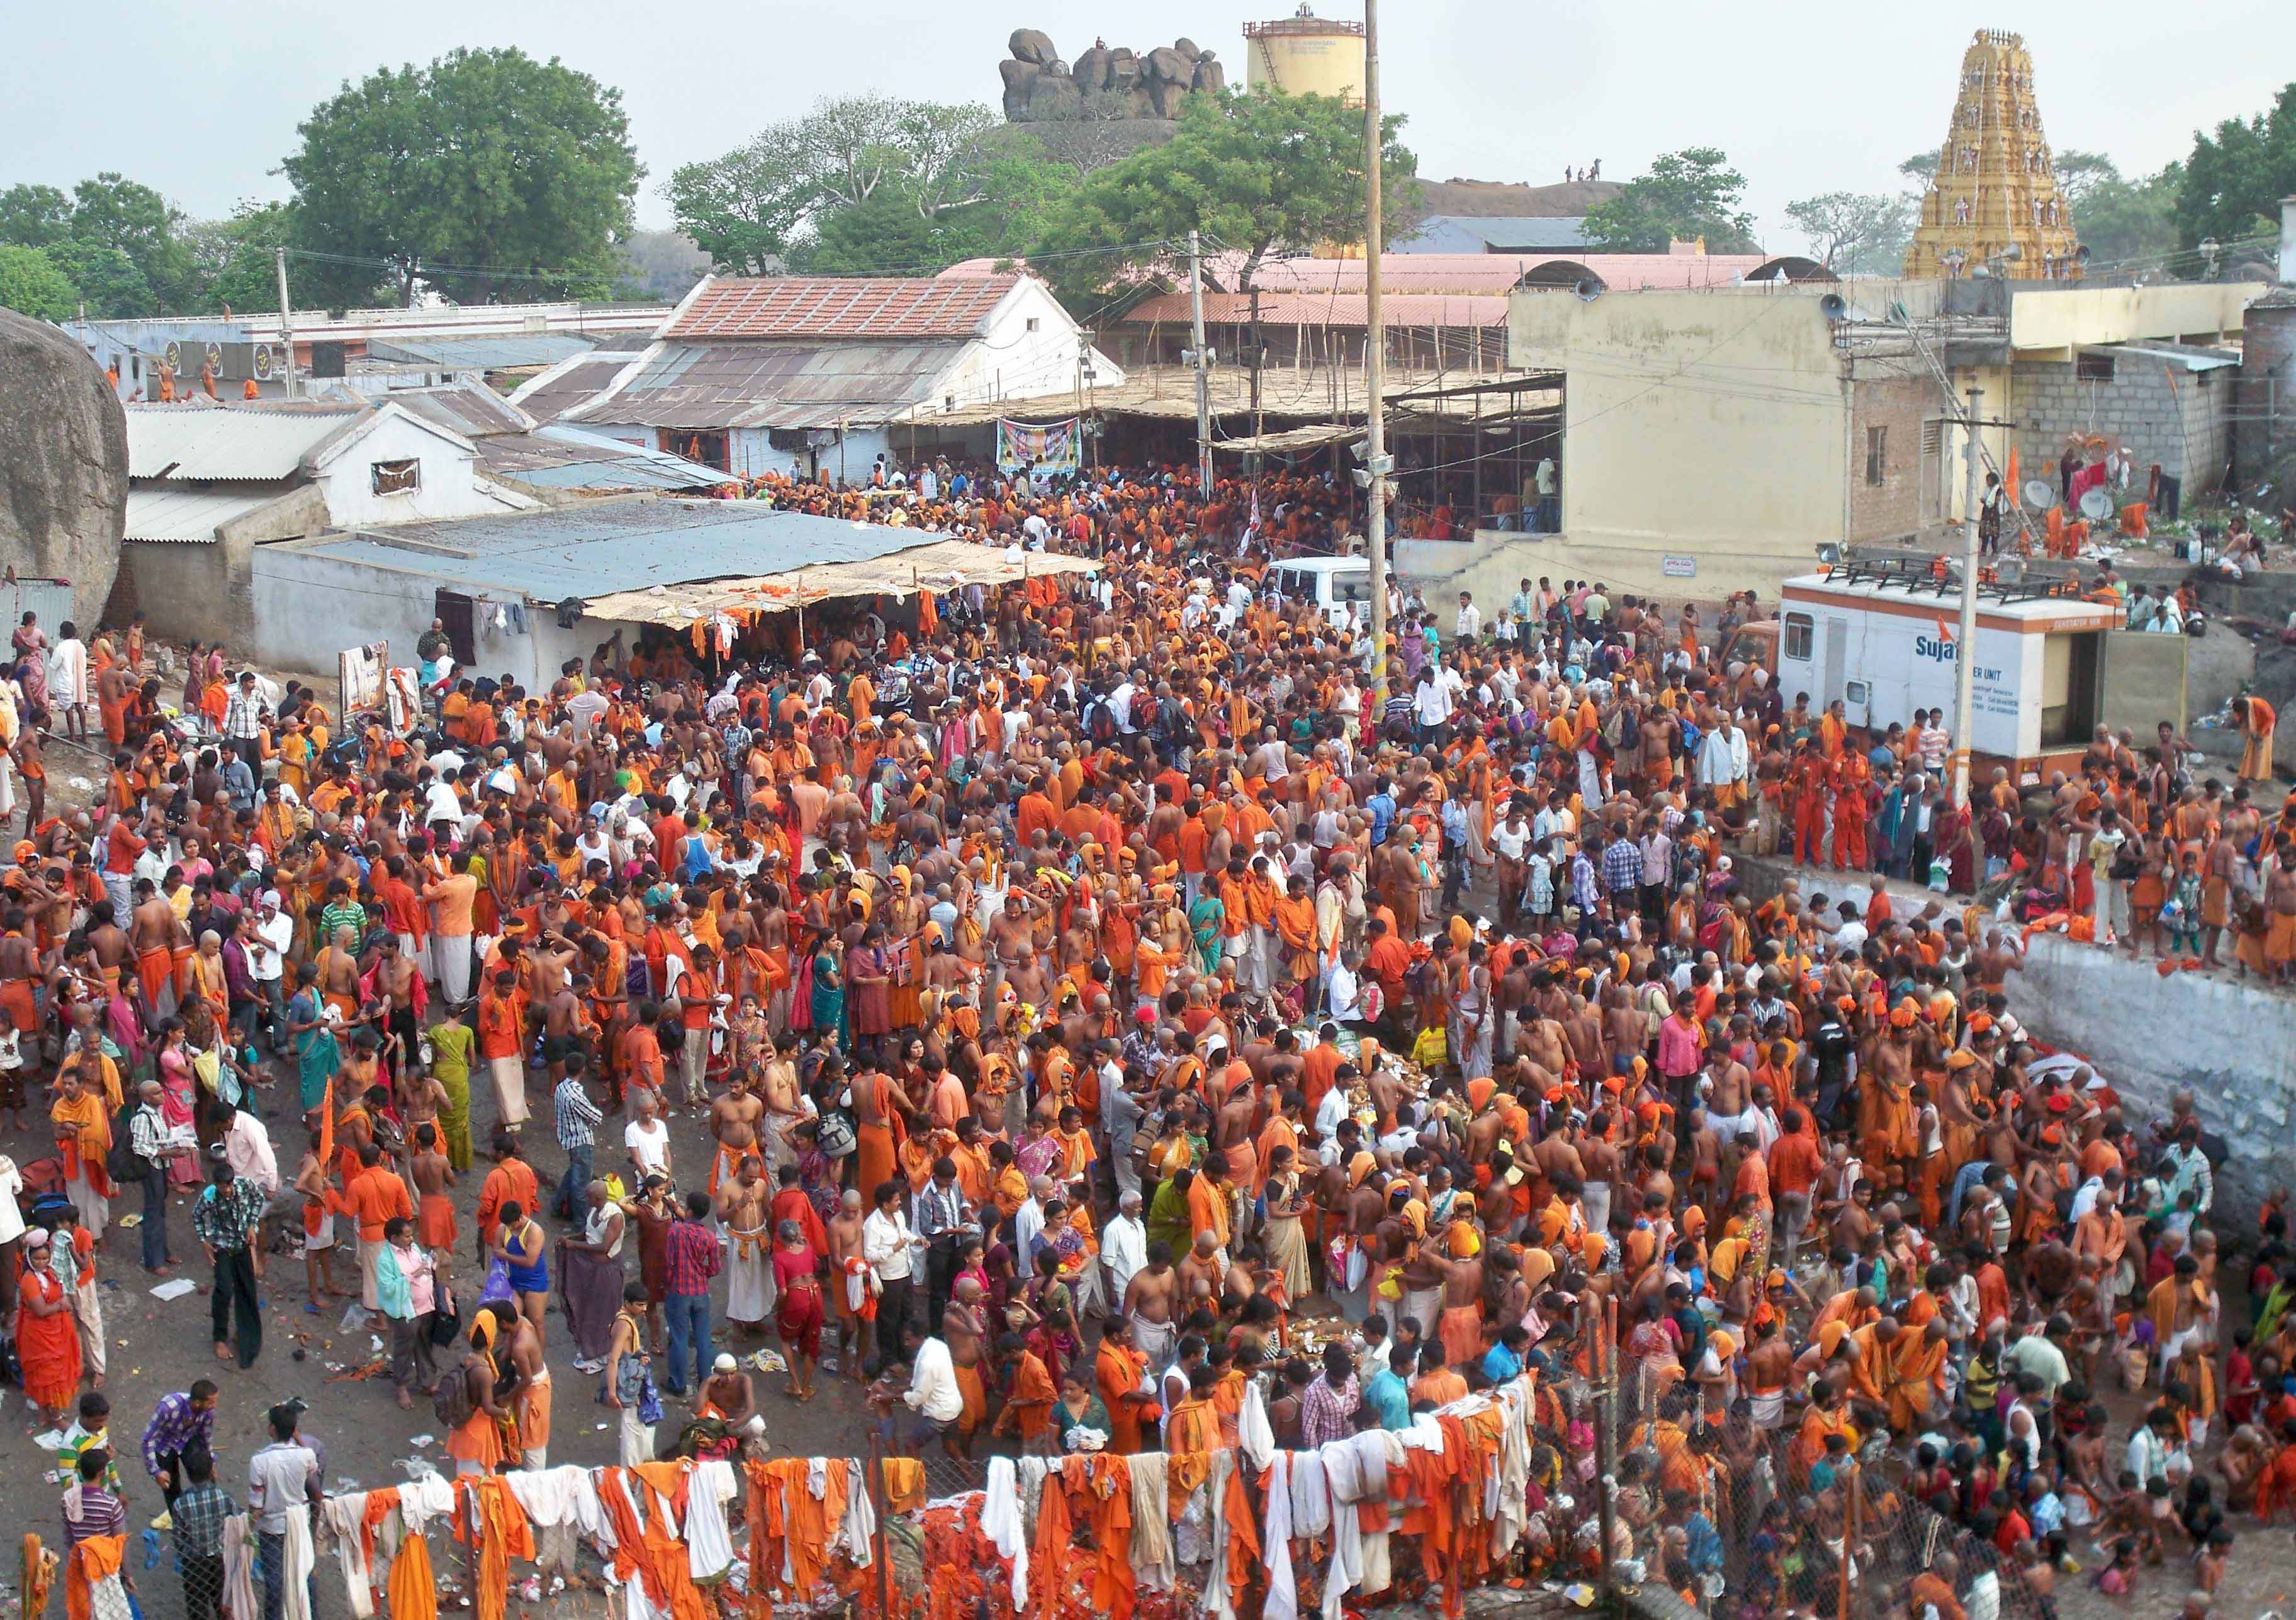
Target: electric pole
[286, 327]
[1965, 657]
[1375, 462]
[1253, 356]
[1203, 368]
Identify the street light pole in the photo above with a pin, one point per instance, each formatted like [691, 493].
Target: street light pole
[1965, 656]
[1374, 344]
[1204, 370]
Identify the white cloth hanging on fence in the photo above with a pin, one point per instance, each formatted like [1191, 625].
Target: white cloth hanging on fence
[709, 1546]
[346, 1515]
[1000, 1522]
[1152, 1526]
[1283, 1602]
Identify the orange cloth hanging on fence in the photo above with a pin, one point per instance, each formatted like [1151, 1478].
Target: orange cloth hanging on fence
[1048, 1558]
[1242, 1535]
[93, 1561]
[1115, 1589]
[503, 1535]
[413, 1589]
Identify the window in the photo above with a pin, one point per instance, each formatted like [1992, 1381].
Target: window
[1032, 323]
[395, 478]
[2092, 368]
[1801, 632]
[1877, 455]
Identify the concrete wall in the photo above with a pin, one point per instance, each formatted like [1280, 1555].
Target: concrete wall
[449, 484]
[2232, 1045]
[1696, 426]
[2267, 385]
[2184, 428]
[2072, 317]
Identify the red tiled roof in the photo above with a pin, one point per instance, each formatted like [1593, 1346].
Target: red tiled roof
[1344, 309]
[838, 307]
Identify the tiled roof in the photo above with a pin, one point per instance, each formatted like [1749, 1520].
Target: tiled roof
[837, 307]
[1345, 309]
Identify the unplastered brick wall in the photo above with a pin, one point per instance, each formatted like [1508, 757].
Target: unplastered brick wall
[1897, 406]
[2179, 426]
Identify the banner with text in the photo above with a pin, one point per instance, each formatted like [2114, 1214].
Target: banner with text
[1055, 446]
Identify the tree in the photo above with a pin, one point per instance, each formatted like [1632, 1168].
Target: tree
[2079, 174]
[659, 266]
[485, 174]
[1253, 173]
[30, 284]
[1855, 233]
[750, 207]
[1010, 198]
[1921, 168]
[238, 262]
[2231, 187]
[34, 215]
[111, 211]
[1690, 194]
[2130, 224]
[109, 282]
[743, 209]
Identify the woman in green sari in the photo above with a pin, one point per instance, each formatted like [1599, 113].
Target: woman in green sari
[1207, 918]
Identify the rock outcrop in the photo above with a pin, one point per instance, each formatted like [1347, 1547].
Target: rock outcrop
[63, 463]
[1104, 84]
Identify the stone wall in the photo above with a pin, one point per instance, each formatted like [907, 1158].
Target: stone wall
[2184, 428]
[2231, 1043]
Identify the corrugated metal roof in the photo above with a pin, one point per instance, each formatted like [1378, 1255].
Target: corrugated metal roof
[488, 353]
[2189, 357]
[473, 411]
[836, 306]
[200, 443]
[1469, 233]
[595, 549]
[559, 457]
[1325, 309]
[571, 383]
[774, 385]
[190, 515]
[1497, 272]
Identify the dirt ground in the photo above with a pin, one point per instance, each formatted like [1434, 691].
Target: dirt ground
[158, 1346]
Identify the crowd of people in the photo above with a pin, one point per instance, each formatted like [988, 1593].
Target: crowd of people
[1096, 1004]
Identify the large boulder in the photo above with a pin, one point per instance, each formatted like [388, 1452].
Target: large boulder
[1090, 70]
[1035, 48]
[64, 465]
[1020, 83]
[1055, 96]
[1169, 76]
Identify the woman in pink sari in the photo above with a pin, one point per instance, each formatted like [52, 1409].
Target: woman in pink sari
[179, 1088]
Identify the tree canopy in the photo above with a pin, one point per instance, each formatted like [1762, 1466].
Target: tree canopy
[869, 184]
[1854, 234]
[30, 284]
[1685, 194]
[2230, 188]
[486, 174]
[1255, 174]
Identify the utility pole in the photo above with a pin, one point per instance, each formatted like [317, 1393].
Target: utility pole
[1203, 367]
[1375, 462]
[1965, 656]
[286, 326]
[1252, 357]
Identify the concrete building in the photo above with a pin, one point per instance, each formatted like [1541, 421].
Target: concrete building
[208, 484]
[824, 374]
[2267, 409]
[1715, 439]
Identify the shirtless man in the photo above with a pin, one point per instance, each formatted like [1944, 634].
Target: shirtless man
[846, 1245]
[1150, 1300]
[156, 932]
[964, 1328]
[434, 1209]
[532, 1403]
[734, 1119]
[782, 1097]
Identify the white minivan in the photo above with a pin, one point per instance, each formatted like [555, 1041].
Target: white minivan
[1339, 586]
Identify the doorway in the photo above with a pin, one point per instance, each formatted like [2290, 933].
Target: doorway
[457, 615]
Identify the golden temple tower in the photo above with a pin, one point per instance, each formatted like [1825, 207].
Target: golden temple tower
[1995, 199]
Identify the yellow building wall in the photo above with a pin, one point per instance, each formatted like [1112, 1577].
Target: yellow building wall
[1704, 426]
[2061, 318]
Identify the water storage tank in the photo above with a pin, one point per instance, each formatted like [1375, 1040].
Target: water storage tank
[1305, 54]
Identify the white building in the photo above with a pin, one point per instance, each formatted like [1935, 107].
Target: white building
[822, 374]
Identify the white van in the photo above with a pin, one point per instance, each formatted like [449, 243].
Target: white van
[1337, 585]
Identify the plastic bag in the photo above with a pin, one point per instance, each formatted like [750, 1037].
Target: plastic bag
[497, 1285]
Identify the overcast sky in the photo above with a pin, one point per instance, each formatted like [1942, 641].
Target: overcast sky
[201, 100]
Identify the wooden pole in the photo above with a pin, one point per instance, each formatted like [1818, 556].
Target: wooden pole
[883, 1538]
[1850, 1535]
[1606, 1414]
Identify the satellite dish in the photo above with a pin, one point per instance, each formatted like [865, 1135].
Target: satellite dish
[2040, 495]
[2095, 505]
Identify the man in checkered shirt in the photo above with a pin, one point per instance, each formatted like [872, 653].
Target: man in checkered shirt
[198, 1513]
[242, 722]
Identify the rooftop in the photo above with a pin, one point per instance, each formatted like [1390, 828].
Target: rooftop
[502, 351]
[838, 307]
[572, 382]
[601, 547]
[1325, 309]
[215, 441]
[772, 385]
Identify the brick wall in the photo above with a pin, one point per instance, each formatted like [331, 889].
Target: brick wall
[2183, 429]
[1893, 509]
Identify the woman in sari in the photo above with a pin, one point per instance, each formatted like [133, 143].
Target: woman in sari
[1054, 1335]
[869, 976]
[1207, 921]
[1078, 1407]
[31, 647]
[178, 1092]
[1656, 1344]
[826, 1002]
[1284, 1237]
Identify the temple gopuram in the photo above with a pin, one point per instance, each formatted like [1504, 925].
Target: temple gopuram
[1993, 202]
